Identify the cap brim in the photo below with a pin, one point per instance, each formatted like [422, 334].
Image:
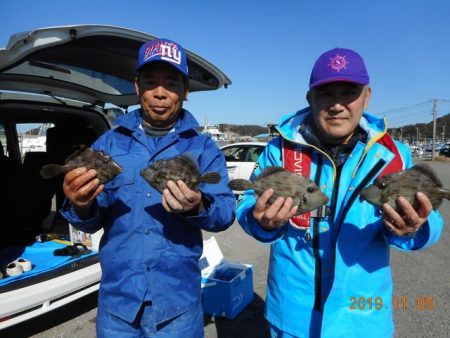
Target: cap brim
[360, 81]
[138, 68]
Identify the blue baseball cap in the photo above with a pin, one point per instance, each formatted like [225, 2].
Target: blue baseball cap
[163, 50]
[339, 64]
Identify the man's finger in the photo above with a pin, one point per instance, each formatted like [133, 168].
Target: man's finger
[274, 209]
[191, 196]
[172, 202]
[261, 202]
[425, 206]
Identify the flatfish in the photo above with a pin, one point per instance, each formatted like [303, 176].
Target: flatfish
[86, 157]
[182, 168]
[304, 192]
[407, 183]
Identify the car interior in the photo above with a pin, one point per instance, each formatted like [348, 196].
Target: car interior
[29, 204]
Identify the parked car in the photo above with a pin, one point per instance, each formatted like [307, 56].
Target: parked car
[429, 149]
[241, 158]
[416, 150]
[445, 150]
[72, 80]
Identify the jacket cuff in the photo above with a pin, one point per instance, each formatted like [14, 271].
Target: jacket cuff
[89, 225]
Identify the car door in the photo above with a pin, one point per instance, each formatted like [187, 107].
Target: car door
[89, 63]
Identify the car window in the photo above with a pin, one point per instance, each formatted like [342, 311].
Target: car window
[32, 137]
[3, 141]
[253, 153]
[234, 154]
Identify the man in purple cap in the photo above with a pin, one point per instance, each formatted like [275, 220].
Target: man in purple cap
[329, 273]
[152, 242]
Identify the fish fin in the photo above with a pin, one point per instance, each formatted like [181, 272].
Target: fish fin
[445, 193]
[51, 170]
[211, 177]
[188, 157]
[240, 184]
[79, 149]
[270, 170]
[426, 170]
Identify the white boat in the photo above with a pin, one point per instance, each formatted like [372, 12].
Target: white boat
[214, 132]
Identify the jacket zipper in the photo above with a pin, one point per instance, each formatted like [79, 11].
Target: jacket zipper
[316, 246]
[372, 173]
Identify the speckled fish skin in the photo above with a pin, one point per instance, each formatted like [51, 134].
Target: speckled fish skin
[178, 168]
[86, 157]
[304, 192]
[407, 183]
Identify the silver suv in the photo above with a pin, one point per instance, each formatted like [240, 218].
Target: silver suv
[59, 87]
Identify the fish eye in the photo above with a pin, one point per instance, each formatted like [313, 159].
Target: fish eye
[311, 189]
[379, 184]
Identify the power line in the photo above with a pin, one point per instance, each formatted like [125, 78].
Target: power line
[405, 108]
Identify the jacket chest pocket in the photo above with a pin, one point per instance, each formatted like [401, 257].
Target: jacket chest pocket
[122, 189]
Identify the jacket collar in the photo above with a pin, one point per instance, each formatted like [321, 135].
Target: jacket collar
[132, 121]
[289, 125]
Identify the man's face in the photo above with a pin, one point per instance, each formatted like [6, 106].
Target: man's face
[337, 108]
[161, 89]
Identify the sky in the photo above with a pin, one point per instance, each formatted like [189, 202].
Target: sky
[267, 48]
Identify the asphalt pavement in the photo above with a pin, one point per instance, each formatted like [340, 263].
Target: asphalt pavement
[421, 284]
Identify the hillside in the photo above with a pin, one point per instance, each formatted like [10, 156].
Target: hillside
[243, 130]
[408, 132]
[424, 130]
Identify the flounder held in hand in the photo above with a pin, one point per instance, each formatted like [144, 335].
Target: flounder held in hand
[304, 192]
[407, 183]
[86, 157]
[182, 168]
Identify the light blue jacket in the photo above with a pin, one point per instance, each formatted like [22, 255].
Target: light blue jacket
[338, 283]
[146, 253]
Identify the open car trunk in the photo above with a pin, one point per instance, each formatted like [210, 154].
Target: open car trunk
[33, 134]
[60, 87]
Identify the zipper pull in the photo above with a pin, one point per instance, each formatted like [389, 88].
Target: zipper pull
[307, 235]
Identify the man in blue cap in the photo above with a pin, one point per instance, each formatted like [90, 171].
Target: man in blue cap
[329, 273]
[149, 252]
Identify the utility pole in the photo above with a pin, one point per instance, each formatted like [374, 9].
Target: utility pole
[417, 138]
[435, 106]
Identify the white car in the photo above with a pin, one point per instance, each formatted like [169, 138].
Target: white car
[74, 80]
[241, 158]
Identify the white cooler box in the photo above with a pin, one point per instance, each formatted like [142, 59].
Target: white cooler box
[227, 287]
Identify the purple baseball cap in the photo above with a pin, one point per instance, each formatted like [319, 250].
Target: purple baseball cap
[163, 50]
[339, 64]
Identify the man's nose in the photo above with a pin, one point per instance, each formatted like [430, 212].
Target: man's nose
[336, 105]
[159, 92]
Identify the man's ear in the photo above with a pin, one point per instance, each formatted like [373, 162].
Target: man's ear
[136, 85]
[367, 97]
[308, 97]
[186, 94]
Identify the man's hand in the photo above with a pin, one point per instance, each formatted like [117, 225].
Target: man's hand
[81, 187]
[178, 198]
[408, 220]
[276, 215]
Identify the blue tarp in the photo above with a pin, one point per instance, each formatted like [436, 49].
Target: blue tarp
[41, 257]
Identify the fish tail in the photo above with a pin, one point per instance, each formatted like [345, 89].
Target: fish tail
[211, 177]
[240, 184]
[51, 170]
